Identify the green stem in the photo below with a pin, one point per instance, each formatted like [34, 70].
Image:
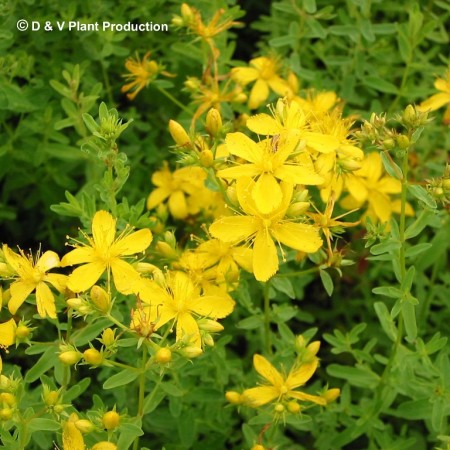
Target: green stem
[174, 100]
[123, 366]
[107, 84]
[141, 394]
[267, 331]
[298, 272]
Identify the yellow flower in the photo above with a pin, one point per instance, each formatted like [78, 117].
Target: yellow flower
[439, 100]
[177, 187]
[105, 252]
[269, 160]
[317, 102]
[262, 229]
[7, 336]
[71, 436]
[289, 117]
[369, 184]
[281, 387]
[264, 71]
[180, 301]
[142, 73]
[32, 276]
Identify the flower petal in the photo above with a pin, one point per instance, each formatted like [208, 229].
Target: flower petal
[83, 277]
[265, 257]
[8, 333]
[234, 228]
[103, 230]
[298, 175]
[300, 236]
[261, 395]
[244, 75]
[19, 290]
[258, 94]
[177, 205]
[238, 144]
[264, 124]
[436, 101]
[79, 255]
[187, 327]
[49, 260]
[267, 370]
[126, 278]
[58, 281]
[212, 306]
[267, 193]
[45, 301]
[308, 397]
[241, 170]
[133, 243]
[298, 377]
[157, 196]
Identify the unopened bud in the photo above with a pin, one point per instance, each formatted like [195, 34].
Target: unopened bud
[101, 299]
[110, 420]
[163, 355]
[297, 209]
[51, 397]
[206, 158]
[104, 445]
[179, 134]
[108, 337]
[409, 115]
[213, 122]
[93, 357]
[70, 357]
[6, 414]
[5, 382]
[186, 13]
[208, 340]
[166, 250]
[279, 408]
[191, 351]
[293, 407]
[8, 398]
[233, 397]
[402, 141]
[350, 164]
[331, 395]
[84, 425]
[23, 332]
[209, 325]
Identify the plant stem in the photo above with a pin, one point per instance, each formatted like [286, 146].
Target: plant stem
[173, 99]
[141, 394]
[267, 331]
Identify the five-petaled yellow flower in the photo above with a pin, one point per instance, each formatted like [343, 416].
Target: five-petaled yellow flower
[180, 301]
[440, 99]
[280, 387]
[268, 161]
[263, 229]
[105, 252]
[264, 71]
[32, 276]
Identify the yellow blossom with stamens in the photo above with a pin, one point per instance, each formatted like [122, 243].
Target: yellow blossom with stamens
[105, 252]
[280, 387]
[7, 336]
[440, 99]
[177, 187]
[264, 71]
[178, 301]
[32, 276]
[261, 230]
[317, 102]
[268, 161]
[370, 184]
[142, 72]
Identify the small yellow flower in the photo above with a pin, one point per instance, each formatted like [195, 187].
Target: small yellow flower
[261, 230]
[71, 436]
[105, 252]
[142, 72]
[370, 184]
[264, 71]
[32, 276]
[180, 301]
[177, 187]
[280, 387]
[441, 99]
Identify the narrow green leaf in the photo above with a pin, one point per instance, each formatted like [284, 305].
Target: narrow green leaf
[310, 6]
[250, 323]
[380, 84]
[386, 321]
[122, 378]
[409, 318]
[356, 376]
[327, 282]
[283, 285]
[391, 167]
[417, 249]
[40, 424]
[45, 362]
[384, 247]
[419, 224]
[388, 291]
[421, 194]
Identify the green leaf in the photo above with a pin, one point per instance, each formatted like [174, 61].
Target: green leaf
[404, 44]
[45, 363]
[282, 41]
[128, 433]
[385, 247]
[356, 376]
[409, 318]
[391, 167]
[283, 285]
[172, 389]
[310, 6]
[122, 378]
[87, 334]
[414, 409]
[417, 249]
[421, 194]
[40, 424]
[419, 224]
[380, 84]
[327, 282]
[386, 321]
[388, 291]
[250, 323]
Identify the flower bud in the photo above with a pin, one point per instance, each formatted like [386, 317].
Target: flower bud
[50, 397]
[191, 351]
[349, 164]
[69, 358]
[331, 395]
[58, 409]
[186, 13]
[206, 158]
[5, 382]
[294, 407]
[233, 397]
[213, 122]
[6, 414]
[108, 337]
[84, 425]
[208, 340]
[9, 399]
[101, 299]
[93, 357]
[209, 325]
[110, 420]
[402, 141]
[179, 134]
[297, 209]
[279, 408]
[389, 143]
[166, 250]
[22, 333]
[104, 445]
[163, 355]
